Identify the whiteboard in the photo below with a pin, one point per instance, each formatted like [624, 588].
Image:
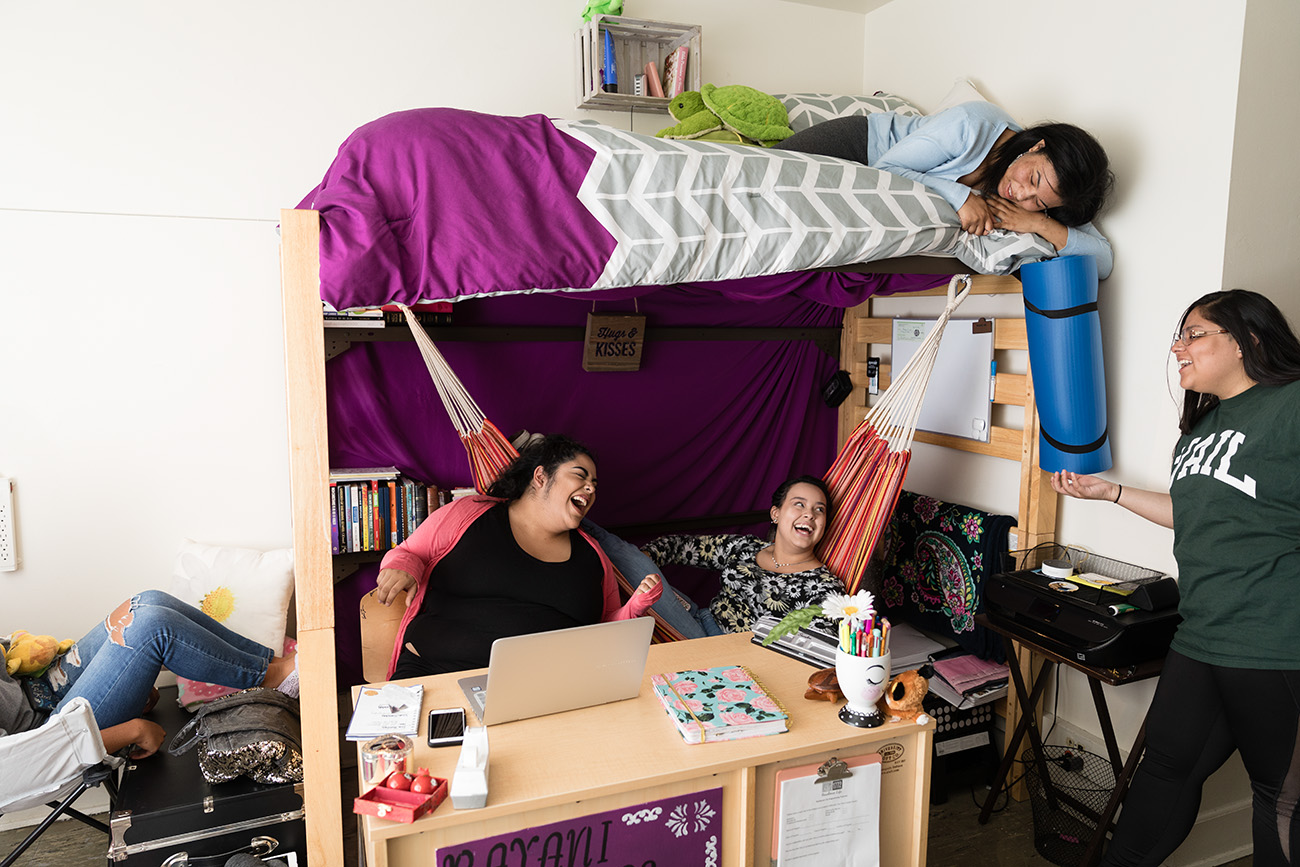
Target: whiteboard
[959, 398]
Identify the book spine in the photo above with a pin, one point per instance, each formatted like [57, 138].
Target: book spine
[354, 517]
[652, 79]
[334, 517]
[678, 83]
[392, 514]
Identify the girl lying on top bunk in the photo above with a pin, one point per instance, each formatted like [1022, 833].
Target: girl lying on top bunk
[1049, 180]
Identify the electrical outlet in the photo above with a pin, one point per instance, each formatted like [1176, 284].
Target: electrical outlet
[1072, 743]
[8, 541]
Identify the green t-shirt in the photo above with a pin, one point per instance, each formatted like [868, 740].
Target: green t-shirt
[1235, 485]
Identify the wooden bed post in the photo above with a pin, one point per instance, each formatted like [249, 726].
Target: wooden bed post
[304, 357]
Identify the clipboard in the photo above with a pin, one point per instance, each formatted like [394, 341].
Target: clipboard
[838, 814]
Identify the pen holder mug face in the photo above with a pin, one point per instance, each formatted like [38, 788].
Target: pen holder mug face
[862, 680]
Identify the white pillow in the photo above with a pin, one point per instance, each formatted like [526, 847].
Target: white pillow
[247, 591]
[961, 91]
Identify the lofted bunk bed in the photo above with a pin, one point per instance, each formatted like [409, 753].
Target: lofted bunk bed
[408, 213]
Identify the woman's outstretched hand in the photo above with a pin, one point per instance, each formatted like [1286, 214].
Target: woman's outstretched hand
[1083, 487]
[143, 736]
[390, 583]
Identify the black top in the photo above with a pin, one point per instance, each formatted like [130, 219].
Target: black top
[487, 587]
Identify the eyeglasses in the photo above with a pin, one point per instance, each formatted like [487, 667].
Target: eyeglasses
[1187, 335]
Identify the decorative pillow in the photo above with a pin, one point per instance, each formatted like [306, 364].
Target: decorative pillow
[245, 590]
[806, 109]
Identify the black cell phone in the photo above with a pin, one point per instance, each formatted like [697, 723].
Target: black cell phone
[446, 727]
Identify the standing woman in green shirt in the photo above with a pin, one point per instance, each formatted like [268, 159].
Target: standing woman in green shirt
[1231, 681]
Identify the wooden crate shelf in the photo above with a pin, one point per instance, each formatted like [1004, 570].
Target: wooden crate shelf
[636, 42]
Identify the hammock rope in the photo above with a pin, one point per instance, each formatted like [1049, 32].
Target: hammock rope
[488, 449]
[867, 474]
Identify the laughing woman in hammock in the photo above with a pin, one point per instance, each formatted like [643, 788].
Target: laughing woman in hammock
[774, 576]
[509, 563]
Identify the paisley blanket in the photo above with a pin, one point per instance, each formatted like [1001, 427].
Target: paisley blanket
[440, 203]
[937, 557]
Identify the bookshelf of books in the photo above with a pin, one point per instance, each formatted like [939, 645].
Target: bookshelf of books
[666, 56]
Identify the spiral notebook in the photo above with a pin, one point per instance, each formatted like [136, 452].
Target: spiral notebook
[723, 703]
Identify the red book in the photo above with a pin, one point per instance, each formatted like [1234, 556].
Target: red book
[652, 79]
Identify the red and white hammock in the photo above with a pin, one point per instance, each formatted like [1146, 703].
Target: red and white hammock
[867, 475]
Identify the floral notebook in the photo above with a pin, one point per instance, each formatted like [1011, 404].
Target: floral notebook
[718, 704]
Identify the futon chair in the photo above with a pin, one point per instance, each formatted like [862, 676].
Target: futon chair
[55, 765]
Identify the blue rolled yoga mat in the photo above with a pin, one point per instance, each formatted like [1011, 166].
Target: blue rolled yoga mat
[1064, 331]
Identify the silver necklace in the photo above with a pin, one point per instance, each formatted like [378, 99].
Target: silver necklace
[771, 552]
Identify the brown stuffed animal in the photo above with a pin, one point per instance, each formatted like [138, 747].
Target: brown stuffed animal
[904, 696]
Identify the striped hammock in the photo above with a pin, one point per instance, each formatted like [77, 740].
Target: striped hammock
[867, 475]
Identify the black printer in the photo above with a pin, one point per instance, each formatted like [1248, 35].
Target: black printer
[1108, 628]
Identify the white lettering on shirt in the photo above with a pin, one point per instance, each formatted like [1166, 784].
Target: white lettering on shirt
[1245, 484]
[1193, 460]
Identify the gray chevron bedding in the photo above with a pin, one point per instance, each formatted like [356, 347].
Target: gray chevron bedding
[441, 203]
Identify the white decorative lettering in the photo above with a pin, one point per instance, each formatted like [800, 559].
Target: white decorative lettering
[1209, 459]
[1245, 484]
[1193, 465]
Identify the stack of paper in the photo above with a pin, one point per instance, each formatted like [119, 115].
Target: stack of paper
[967, 681]
[386, 710]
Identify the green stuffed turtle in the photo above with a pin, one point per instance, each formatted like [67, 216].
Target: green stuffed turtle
[749, 113]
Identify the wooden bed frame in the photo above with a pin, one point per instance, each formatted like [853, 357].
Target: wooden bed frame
[305, 353]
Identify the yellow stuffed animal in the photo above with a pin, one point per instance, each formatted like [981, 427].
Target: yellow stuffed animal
[29, 655]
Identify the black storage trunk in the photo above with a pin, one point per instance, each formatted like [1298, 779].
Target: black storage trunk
[165, 807]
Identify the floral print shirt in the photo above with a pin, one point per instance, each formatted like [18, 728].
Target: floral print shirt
[748, 590]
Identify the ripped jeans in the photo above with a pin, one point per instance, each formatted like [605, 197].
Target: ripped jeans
[115, 664]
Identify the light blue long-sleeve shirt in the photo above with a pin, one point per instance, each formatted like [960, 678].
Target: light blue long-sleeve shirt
[937, 149]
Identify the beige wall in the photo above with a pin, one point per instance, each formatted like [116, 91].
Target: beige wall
[147, 148]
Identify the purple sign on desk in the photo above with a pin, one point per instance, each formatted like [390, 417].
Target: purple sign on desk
[681, 830]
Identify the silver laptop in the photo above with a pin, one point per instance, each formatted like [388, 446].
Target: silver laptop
[564, 669]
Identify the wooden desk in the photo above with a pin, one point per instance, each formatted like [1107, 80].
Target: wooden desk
[618, 755]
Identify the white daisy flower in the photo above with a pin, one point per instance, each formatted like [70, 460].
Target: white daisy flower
[859, 606]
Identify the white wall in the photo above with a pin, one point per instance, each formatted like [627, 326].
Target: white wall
[1160, 88]
[146, 149]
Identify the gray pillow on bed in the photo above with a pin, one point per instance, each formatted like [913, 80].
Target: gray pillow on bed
[806, 109]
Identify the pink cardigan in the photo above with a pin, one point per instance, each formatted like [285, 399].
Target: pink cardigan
[439, 534]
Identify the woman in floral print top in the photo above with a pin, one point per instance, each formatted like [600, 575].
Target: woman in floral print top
[761, 577]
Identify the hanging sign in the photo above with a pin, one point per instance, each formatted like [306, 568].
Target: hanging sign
[613, 341]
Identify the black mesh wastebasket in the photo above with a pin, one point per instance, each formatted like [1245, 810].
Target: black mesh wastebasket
[1066, 818]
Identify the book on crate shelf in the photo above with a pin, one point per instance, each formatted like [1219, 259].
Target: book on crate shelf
[723, 703]
[374, 508]
[674, 81]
